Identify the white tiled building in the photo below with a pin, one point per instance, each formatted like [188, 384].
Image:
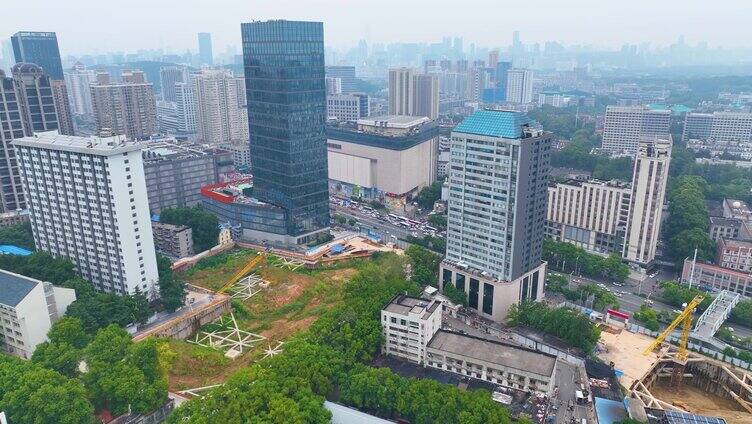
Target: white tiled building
[87, 202]
[408, 324]
[28, 308]
[624, 126]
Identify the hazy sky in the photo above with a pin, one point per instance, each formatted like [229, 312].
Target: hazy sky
[88, 26]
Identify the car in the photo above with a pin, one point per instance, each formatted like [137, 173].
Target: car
[617, 294]
[648, 302]
[676, 311]
[617, 284]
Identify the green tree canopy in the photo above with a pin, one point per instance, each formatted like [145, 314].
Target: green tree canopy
[204, 225]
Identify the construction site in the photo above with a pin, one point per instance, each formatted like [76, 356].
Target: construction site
[244, 303]
[663, 374]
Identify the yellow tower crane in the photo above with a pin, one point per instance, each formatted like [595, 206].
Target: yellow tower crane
[685, 319]
[249, 266]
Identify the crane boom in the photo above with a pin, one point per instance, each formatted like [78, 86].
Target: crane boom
[684, 318]
[243, 271]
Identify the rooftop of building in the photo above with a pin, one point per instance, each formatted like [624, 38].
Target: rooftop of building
[234, 192]
[579, 183]
[94, 145]
[496, 123]
[172, 149]
[736, 207]
[494, 352]
[735, 243]
[387, 132]
[345, 415]
[9, 249]
[405, 305]
[716, 269]
[722, 220]
[394, 121]
[171, 227]
[14, 287]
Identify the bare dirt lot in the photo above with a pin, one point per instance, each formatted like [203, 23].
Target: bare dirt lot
[625, 350]
[702, 403]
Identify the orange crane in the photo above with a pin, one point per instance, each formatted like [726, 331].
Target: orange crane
[249, 266]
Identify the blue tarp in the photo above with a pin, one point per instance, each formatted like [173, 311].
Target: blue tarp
[155, 218]
[338, 248]
[609, 411]
[7, 249]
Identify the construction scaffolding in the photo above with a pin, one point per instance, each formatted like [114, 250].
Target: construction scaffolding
[228, 338]
[288, 263]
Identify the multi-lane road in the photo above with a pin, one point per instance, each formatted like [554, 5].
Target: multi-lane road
[376, 223]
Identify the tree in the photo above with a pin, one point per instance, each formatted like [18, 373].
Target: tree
[98, 310]
[68, 330]
[31, 394]
[204, 225]
[429, 195]
[171, 289]
[648, 317]
[683, 245]
[425, 265]
[60, 357]
[18, 235]
[742, 313]
[455, 295]
[39, 265]
[570, 326]
[439, 220]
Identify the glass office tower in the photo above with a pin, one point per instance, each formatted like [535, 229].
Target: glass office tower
[39, 48]
[286, 95]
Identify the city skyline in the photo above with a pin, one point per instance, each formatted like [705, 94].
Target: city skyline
[602, 24]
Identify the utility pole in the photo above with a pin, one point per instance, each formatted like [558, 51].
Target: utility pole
[692, 273]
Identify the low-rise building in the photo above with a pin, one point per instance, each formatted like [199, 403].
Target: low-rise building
[390, 157]
[28, 308]
[716, 278]
[175, 172]
[408, 323]
[729, 228]
[248, 218]
[175, 241]
[734, 254]
[241, 153]
[496, 362]
[11, 218]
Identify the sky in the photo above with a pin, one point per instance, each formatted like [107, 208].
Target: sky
[96, 26]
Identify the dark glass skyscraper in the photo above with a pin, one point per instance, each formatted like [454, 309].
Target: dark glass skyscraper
[39, 48]
[286, 94]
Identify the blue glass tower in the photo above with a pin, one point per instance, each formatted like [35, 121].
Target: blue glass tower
[39, 48]
[501, 80]
[286, 95]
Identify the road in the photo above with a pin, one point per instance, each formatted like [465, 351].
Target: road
[377, 224]
[568, 381]
[630, 302]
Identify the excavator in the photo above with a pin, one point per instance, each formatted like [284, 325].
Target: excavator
[680, 359]
[249, 266]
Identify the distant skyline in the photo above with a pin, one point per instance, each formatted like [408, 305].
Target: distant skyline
[86, 26]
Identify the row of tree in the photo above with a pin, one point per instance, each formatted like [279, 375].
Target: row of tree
[73, 374]
[567, 257]
[688, 220]
[602, 298]
[425, 265]
[564, 323]
[328, 361]
[18, 235]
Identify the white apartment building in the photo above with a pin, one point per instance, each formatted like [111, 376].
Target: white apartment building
[347, 107]
[734, 254]
[519, 85]
[333, 86]
[648, 193]
[592, 214]
[87, 202]
[185, 108]
[220, 106]
[426, 96]
[78, 81]
[498, 181]
[624, 126]
[168, 77]
[408, 324]
[28, 308]
[718, 127]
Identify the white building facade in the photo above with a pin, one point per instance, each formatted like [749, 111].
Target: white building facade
[520, 85]
[88, 203]
[408, 324]
[28, 308]
[220, 106]
[624, 126]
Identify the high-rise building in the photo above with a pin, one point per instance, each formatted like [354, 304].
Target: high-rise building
[624, 126]
[519, 85]
[426, 96]
[347, 107]
[718, 127]
[205, 48]
[493, 58]
[88, 203]
[168, 77]
[62, 107]
[128, 107]
[35, 98]
[78, 81]
[346, 74]
[333, 85]
[401, 90]
[502, 69]
[185, 108]
[648, 193]
[221, 115]
[497, 204]
[39, 48]
[7, 51]
[287, 115]
[477, 82]
[12, 127]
